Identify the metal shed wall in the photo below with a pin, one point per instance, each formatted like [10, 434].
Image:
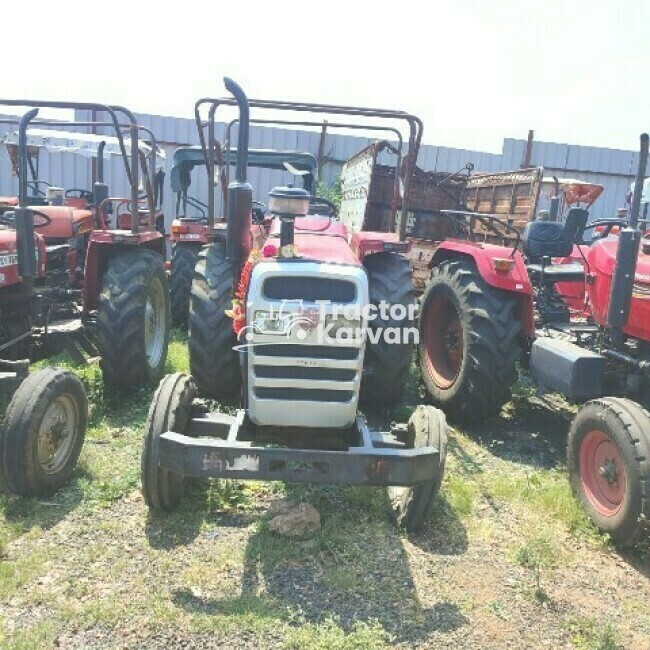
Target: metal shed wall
[612, 168]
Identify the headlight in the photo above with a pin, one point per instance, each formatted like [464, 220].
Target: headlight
[272, 322]
[342, 327]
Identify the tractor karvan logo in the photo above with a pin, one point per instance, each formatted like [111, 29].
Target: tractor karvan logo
[328, 323]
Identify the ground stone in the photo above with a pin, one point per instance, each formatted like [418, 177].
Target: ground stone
[299, 521]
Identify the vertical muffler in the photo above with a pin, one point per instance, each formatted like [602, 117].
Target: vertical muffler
[629, 239]
[25, 245]
[240, 191]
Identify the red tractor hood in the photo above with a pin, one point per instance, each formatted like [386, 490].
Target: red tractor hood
[602, 258]
[9, 259]
[602, 261]
[321, 239]
[66, 221]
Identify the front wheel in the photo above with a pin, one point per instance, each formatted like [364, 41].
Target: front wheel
[608, 457]
[133, 323]
[170, 410]
[427, 427]
[43, 432]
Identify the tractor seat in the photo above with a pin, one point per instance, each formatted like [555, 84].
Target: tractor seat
[544, 240]
[572, 272]
[552, 238]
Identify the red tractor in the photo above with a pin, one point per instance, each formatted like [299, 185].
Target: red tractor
[44, 423]
[120, 296]
[189, 230]
[287, 327]
[71, 210]
[486, 304]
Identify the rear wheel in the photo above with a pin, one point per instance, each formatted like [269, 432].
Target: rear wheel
[608, 457]
[43, 432]
[170, 410]
[134, 319]
[213, 361]
[469, 342]
[184, 259]
[388, 359]
[427, 427]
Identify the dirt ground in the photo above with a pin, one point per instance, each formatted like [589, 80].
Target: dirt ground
[507, 560]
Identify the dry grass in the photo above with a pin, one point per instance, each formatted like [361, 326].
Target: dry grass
[507, 560]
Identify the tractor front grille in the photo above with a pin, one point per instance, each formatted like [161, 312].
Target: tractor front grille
[304, 395]
[300, 379]
[303, 372]
[303, 383]
[307, 351]
[309, 289]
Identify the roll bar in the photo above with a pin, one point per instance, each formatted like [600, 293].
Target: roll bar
[131, 167]
[415, 137]
[334, 125]
[100, 149]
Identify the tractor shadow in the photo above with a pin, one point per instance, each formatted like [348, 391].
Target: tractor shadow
[639, 556]
[44, 513]
[530, 432]
[170, 530]
[355, 570]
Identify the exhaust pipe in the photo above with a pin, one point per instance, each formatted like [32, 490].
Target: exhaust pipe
[629, 239]
[555, 200]
[240, 191]
[25, 248]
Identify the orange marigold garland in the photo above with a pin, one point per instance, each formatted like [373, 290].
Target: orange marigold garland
[238, 311]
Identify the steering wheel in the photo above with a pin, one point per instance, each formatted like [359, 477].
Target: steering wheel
[330, 208]
[607, 225]
[34, 185]
[9, 219]
[82, 194]
[259, 210]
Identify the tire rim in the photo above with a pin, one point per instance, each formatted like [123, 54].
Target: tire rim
[154, 323]
[56, 434]
[602, 473]
[443, 341]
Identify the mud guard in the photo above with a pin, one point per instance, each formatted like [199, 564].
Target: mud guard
[102, 246]
[514, 280]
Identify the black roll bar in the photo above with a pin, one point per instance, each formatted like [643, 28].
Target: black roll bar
[132, 167]
[415, 138]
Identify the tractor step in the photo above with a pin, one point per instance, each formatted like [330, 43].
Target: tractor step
[572, 328]
[375, 458]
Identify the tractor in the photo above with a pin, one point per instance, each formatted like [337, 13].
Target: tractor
[71, 210]
[189, 228]
[44, 424]
[486, 307]
[289, 328]
[120, 298]
[47, 305]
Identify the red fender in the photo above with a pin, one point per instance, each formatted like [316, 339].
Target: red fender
[104, 244]
[514, 279]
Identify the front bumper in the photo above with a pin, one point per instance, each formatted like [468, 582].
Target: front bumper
[375, 459]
